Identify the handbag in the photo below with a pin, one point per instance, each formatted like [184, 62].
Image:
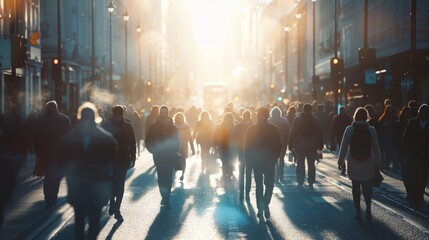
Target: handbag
[378, 178]
[176, 161]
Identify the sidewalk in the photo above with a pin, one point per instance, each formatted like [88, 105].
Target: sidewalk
[26, 209]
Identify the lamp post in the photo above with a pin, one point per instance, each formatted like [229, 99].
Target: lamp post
[314, 78]
[138, 30]
[110, 8]
[286, 29]
[298, 16]
[126, 18]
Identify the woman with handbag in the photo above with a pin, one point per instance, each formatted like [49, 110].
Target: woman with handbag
[360, 144]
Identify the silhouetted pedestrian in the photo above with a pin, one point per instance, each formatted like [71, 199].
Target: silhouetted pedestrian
[339, 124]
[162, 140]
[185, 137]
[416, 142]
[263, 146]
[52, 126]
[360, 146]
[223, 140]
[306, 139]
[90, 153]
[138, 130]
[284, 128]
[387, 120]
[240, 131]
[123, 132]
[203, 135]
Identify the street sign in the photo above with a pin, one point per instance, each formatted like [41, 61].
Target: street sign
[370, 76]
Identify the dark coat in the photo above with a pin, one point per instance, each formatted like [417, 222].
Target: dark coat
[416, 142]
[203, 132]
[263, 144]
[51, 128]
[90, 153]
[306, 134]
[162, 140]
[223, 140]
[123, 132]
[240, 131]
[339, 125]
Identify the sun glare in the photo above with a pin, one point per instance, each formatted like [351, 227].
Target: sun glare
[210, 21]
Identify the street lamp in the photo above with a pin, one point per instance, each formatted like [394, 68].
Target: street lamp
[298, 16]
[314, 78]
[138, 30]
[287, 30]
[126, 18]
[110, 8]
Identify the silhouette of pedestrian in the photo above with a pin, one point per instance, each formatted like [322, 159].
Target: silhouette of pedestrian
[284, 128]
[363, 158]
[306, 139]
[223, 141]
[52, 127]
[162, 140]
[263, 146]
[123, 132]
[185, 137]
[416, 142]
[90, 153]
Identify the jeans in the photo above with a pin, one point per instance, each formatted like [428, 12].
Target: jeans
[367, 193]
[300, 167]
[264, 174]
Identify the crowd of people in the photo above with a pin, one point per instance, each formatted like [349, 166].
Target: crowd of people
[94, 149]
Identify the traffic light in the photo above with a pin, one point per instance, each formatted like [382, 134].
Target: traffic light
[337, 67]
[19, 51]
[149, 88]
[56, 69]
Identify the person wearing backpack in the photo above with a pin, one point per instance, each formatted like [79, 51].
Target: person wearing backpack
[360, 145]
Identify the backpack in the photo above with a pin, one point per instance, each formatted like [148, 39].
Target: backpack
[360, 143]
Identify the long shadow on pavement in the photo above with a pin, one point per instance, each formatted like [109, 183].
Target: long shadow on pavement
[148, 178]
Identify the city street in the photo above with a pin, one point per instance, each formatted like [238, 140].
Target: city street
[203, 209]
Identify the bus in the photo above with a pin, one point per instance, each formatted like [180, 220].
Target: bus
[215, 95]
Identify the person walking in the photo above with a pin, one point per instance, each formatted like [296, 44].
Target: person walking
[386, 121]
[90, 153]
[136, 120]
[223, 142]
[203, 135]
[339, 125]
[416, 142]
[152, 117]
[52, 126]
[284, 128]
[360, 146]
[162, 140]
[240, 131]
[306, 139]
[123, 132]
[185, 137]
[263, 146]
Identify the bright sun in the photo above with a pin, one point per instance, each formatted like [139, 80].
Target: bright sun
[209, 21]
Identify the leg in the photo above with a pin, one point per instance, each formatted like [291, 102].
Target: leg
[311, 169]
[79, 221]
[183, 164]
[242, 167]
[367, 194]
[259, 189]
[281, 166]
[356, 197]
[269, 186]
[120, 182]
[248, 180]
[94, 222]
[165, 175]
[300, 169]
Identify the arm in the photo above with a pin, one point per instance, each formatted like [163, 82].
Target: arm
[345, 145]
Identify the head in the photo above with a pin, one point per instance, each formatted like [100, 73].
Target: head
[51, 107]
[155, 109]
[291, 110]
[343, 110]
[163, 112]
[388, 101]
[370, 109]
[118, 113]
[424, 112]
[247, 116]
[136, 115]
[413, 104]
[179, 118]
[361, 114]
[228, 118]
[263, 114]
[204, 115]
[406, 113]
[276, 112]
[87, 113]
[307, 108]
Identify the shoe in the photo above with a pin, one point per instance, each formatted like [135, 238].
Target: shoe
[181, 178]
[267, 213]
[368, 215]
[111, 209]
[118, 216]
[260, 214]
[311, 187]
